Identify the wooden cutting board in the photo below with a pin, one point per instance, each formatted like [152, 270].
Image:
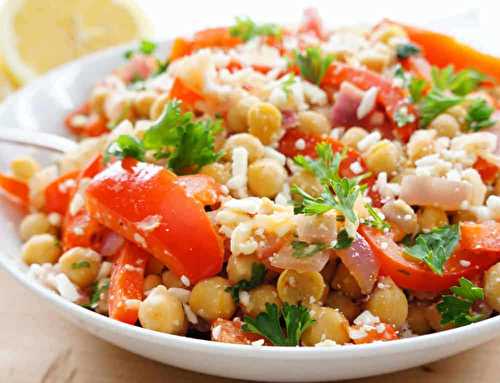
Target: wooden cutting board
[38, 346]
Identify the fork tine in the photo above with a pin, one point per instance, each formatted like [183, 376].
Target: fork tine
[41, 140]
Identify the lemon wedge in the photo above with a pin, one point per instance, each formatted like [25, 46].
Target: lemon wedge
[37, 35]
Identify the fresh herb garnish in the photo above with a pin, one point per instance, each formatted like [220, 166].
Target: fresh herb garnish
[460, 83]
[126, 146]
[457, 308]
[258, 275]
[339, 193]
[343, 240]
[246, 29]
[281, 327]
[80, 265]
[186, 144]
[376, 220]
[406, 50]
[416, 88]
[402, 116]
[312, 64]
[479, 115]
[435, 103]
[435, 247]
[287, 83]
[146, 47]
[306, 250]
[96, 293]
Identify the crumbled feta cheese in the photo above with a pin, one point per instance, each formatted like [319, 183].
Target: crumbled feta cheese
[104, 270]
[367, 102]
[356, 167]
[337, 133]
[190, 315]
[66, 288]
[493, 203]
[258, 342]
[132, 304]
[300, 144]
[185, 281]
[249, 205]
[216, 332]
[149, 223]
[238, 181]
[366, 318]
[244, 298]
[464, 263]
[140, 240]
[55, 219]
[369, 140]
[180, 293]
[326, 343]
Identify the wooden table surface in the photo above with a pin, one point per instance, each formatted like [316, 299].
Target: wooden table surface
[38, 346]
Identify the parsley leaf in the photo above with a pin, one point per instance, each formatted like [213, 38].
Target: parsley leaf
[269, 324]
[187, 144]
[406, 50]
[376, 220]
[456, 308]
[416, 88]
[435, 247]
[146, 47]
[402, 116]
[343, 240]
[258, 275]
[435, 103]
[126, 146]
[98, 288]
[479, 115]
[313, 64]
[80, 265]
[246, 29]
[460, 83]
[306, 250]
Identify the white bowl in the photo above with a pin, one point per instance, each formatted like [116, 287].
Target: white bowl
[42, 105]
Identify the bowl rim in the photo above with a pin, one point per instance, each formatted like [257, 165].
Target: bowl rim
[345, 351]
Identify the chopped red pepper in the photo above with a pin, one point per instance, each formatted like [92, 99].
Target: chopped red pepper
[58, 193]
[15, 188]
[486, 169]
[94, 124]
[181, 92]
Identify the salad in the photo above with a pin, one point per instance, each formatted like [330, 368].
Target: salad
[277, 185]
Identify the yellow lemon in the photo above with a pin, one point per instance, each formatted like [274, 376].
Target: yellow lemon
[5, 85]
[37, 35]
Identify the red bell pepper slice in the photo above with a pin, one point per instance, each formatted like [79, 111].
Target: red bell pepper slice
[15, 188]
[417, 276]
[58, 193]
[181, 92]
[481, 237]
[95, 125]
[129, 194]
[127, 284]
[486, 169]
[442, 50]
[201, 188]
[389, 96]
[374, 335]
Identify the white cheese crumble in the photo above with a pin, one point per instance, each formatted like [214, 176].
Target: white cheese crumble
[149, 223]
[180, 293]
[258, 342]
[185, 281]
[244, 298]
[367, 102]
[300, 144]
[140, 240]
[190, 315]
[464, 263]
[66, 288]
[238, 181]
[369, 140]
[216, 332]
[326, 343]
[356, 167]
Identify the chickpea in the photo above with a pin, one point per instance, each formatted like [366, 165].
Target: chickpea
[236, 121]
[98, 99]
[492, 287]
[431, 217]
[330, 325]
[151, 281]
[313, 123]
[239, 267]
[459, 112]
[417, 321]
[143, 102]
[266, 177]
[387, 32]
[210, 300]
[421, 144]
[258, 297]
[445, 125]
[158, 106]
[162, 311]
[382, 157]
[252, 144]
[81, 265]
[388, 302]
[307, 182]
[307, 288]
[345, 305]
[345, 282]
[463, 215]
[353, 135]
[264, 122]
[433, 317]
[221, 173]
[154, 266]
[375, 59]
[400, 214]
[170, 279]
[32, 224]
[24, 167]
[41, 248]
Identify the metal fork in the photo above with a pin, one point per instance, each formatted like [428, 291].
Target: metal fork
[41, 140]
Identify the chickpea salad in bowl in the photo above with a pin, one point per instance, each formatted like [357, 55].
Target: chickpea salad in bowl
[278, 186]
